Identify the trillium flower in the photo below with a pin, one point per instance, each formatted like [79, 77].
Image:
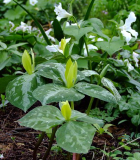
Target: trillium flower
[24, 27]
[48, 34]
[126, 29]
[71, 73]
[58, 48]
[33, 2]
[6, 1]
[128, 64]
[66, 110]
[135, 55]
[90, 47]
[61, 13]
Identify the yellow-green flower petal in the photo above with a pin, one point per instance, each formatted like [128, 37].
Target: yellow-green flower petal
[66, 110]
[27, 64]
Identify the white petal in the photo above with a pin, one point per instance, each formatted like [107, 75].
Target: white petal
[67, 40]
[60, 12]
[91, 36]
[6, 1]
[33, 2]
[131, 18]
[133, 32]
[126, 35]
[52, 48]
[135, 55]
[92, 47]
[129, 66]
[100, 39]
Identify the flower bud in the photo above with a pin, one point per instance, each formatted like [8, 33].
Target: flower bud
[66, 110]
[71, 73]
[26, 61]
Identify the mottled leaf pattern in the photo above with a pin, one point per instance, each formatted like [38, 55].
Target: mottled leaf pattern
[19, 91]
[75, 137]
[95, 91]
[42, 118]
[55, 93]
[109, 85]
[55, 71]
[91, 120]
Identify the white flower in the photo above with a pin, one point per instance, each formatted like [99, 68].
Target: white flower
[90, 47]
[61, 13]
[1, 156]
[94, 39]
[24, 27]
[33, 2]
[6, 1]
[129, 66]
[12, 25]
[126, 28]
[135, 55]
[58, 48]
[50, 37]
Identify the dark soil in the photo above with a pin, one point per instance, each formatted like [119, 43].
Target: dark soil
[17, 142]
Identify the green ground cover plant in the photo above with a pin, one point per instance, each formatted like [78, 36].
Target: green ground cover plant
[72, 61]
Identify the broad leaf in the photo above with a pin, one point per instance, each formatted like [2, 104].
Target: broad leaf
[19, 91]
[77, 32]
[75, 137]
[55, 93]
[109, 85]
[88, 73]
[91, 120]
[96, 91]
[111, 46]
[42, 118]
[55, 71]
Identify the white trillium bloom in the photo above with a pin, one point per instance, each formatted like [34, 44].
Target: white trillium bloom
[126, 29]
[6, 1]
[90, 47]
[50, 37]
[128, 64]
[61, 13]
[135, 55]
[24, 27]
[56, 48]
[33, 2]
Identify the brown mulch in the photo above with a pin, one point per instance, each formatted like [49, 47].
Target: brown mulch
[17, 142]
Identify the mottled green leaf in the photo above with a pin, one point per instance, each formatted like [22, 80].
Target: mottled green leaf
[55, 93]
[75, 137]
[19, 91]
[109, 85]
[42, 118]
[96, 91]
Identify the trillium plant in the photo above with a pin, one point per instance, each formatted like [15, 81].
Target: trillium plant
[71, 61]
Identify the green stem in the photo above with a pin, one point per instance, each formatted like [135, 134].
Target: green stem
[90, 105]
[72, 105]
[50, 144]
[37, 145]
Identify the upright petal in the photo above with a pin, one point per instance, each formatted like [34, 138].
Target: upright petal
[133, 32]
[61, 13]
[135, 55]
[127, 36]
[131, 18]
